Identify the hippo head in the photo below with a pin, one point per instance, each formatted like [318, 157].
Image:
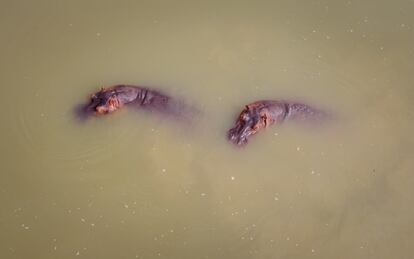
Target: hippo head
[104, 101]
[250, 121]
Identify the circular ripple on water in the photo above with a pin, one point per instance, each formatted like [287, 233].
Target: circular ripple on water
[57, 137]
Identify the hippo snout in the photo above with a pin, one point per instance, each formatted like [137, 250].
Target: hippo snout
[239, 134]
[236, 139]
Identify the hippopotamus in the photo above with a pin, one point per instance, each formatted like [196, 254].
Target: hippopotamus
[261, 114]
[108, 100]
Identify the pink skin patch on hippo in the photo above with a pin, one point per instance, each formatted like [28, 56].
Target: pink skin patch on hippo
[111, 106]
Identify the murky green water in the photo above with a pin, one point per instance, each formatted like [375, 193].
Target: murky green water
[132, 185]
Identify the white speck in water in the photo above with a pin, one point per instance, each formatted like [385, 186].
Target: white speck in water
[126, 206]
[77, 253]
[328, 37]
[98, 34]
[171, 230]
[276, 134]
[203, 194]
[232, 178]
[312, 172]
[83, 220]
[298, 148]
[288, 238]
[313, 250]
[276, 198]
[164, 170]
[55, 248]
[92, 224]
[402, 24]
[25, 227]
[70, 25]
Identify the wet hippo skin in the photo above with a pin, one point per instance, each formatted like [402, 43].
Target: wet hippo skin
[261, 114]
[108, 100]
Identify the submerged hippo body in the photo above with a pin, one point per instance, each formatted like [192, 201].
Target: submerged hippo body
[108, 100]
[261, 114]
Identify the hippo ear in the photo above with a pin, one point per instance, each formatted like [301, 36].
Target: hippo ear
[102, 89]
[247, 107]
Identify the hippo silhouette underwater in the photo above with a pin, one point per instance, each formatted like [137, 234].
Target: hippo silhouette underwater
[262, 114]
[108, 100]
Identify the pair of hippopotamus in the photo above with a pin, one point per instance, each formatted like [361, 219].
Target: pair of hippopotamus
[253, 118]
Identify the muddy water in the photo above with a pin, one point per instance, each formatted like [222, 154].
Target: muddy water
[135, 185]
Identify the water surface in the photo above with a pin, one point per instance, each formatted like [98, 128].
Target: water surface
[134, 185]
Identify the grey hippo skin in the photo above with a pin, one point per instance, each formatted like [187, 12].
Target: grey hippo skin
[261, 114]
[108, 100]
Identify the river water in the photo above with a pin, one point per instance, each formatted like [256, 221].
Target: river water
[135, 185]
